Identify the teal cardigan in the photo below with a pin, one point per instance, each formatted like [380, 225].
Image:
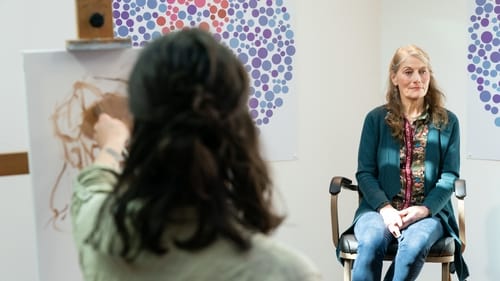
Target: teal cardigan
[379, 168]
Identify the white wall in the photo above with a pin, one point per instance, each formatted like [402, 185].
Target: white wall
[343, 51]
[23, 25]
[337, 75]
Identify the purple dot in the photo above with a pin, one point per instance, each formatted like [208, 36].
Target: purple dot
[253, 103]
[250, 36]
[485, 22]
[254, 114]
[480, 80]
[265, 87]
[274, 73]
[269, 113]
[119, 22]
[262, 53]
[191, 9]
[125, 15]
[116, 14]
[267, 33]
[276, 59]
[496, 98]
[116, 5]
[471, 68]
[472, 48]
[481, 52]
[252, 4]
[485, 96]
[495, 57]
[480, 88]
[255, 13]
[486, 37]
[130, 23]
[256, 62]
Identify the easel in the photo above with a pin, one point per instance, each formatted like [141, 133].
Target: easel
[95, 32]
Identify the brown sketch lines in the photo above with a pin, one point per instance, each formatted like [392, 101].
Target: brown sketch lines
[73, 123]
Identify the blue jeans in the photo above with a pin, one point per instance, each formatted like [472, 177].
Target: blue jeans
[413, 247]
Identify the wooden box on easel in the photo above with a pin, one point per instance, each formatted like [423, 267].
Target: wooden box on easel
[95, 27]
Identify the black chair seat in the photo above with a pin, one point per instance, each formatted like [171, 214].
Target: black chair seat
[443, 247]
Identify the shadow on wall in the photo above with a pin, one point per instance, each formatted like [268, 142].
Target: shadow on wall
[492, 234]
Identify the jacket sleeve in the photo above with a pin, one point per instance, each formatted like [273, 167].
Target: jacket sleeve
[367, 173]
[91, 188]
[448, 166]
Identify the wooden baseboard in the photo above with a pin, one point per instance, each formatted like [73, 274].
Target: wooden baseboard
[14, 164]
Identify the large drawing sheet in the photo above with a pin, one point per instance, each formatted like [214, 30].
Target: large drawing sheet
[59, 86]
[483, 68]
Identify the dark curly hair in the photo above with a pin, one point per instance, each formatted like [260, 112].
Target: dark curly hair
[193, 146]
[433, 100]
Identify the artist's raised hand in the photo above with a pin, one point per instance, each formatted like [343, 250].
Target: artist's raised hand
[392, 219]
[110, 132]
[413, 214]
[111, 136]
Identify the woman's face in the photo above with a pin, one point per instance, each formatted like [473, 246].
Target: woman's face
[412, 79]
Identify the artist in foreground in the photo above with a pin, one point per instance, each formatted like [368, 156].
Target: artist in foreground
[193, 199]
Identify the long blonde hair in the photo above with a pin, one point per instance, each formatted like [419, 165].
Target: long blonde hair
[433, 100]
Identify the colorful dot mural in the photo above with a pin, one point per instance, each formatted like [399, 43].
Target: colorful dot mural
[258, 31]
[484, 54]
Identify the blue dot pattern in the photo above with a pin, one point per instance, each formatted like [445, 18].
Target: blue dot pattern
[484, 54]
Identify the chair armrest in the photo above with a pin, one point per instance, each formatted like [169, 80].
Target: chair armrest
[336, 185]
[338, 182]
[460, 193]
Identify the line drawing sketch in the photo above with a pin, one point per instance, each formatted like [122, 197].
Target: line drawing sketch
[73, 122]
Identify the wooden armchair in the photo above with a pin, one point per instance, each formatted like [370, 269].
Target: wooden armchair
[441, 252]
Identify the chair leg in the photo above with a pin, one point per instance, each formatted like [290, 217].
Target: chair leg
[347, 270]
[445, 271]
